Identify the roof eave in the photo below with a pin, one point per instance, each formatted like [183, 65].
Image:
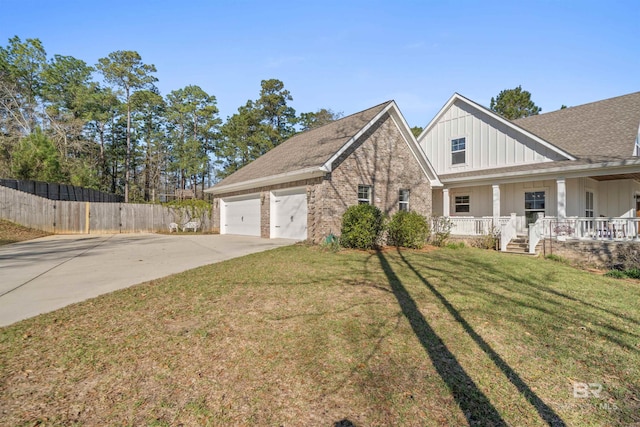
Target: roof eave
[297, 175]
[569, 171]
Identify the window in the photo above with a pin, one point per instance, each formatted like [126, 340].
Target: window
[533, 204]
[403, 200]
[458, 149]
[588, 206]
[462, 204]
[364, 194]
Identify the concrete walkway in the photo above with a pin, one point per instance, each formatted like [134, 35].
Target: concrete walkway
[45, 274]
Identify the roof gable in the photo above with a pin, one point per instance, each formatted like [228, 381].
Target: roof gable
[456, 97]
[313, 152]
[488, 140]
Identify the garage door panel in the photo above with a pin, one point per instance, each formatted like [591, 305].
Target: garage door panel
[290, 216]
[242, 217]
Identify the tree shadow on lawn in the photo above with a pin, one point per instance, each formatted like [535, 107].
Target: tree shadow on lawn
[531, 289]
[476, 407]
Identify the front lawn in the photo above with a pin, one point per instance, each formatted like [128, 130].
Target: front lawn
[300, 336]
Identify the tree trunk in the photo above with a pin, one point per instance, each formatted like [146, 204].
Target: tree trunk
[127, 159]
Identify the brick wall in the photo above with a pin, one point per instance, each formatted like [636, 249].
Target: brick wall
[602, 254]
[380, 158]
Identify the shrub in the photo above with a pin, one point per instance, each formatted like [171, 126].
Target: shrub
[557, 258]
[189, 210]
[361, 227]
[455, 245]
[408, 229]
[616, 274]
[487, 241]
[633, 273]
[441, 230]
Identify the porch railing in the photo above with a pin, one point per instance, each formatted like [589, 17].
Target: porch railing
[584, 228]
[473, 226]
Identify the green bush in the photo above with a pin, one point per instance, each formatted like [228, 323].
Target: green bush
[455, 245]
[189, 210]
[633, 273]
[557, 258]
[616, 274]
[361, 227]
[408, 229]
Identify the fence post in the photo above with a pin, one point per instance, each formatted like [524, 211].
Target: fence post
[87, 215]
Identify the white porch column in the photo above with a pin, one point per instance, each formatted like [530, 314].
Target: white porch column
[496, 202]
[562, 198]
[445, 202]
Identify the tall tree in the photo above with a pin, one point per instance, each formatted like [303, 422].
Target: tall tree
[278, 117]
[193, 123]
[66, 84]
[514, 103]
[149, 109]
[100, 107]
[241, 139]
[316, 119]
[257, 127]
[21, 66]
[125, 69]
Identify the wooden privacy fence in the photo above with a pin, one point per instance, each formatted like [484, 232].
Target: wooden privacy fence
[63, 217]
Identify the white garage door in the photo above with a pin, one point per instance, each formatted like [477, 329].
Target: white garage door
[240, 215]
[289, 214]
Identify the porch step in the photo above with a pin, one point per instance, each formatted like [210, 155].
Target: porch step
[519, 245]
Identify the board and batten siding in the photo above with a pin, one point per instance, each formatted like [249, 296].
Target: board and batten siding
[489, 143]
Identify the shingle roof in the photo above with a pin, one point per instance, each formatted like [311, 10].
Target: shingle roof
[599, 131]
[309, 149]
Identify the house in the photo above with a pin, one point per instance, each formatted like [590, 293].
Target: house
[301, 188]
[578, 167]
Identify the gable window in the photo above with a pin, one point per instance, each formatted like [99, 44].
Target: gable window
[533, 204]
[364, 194]
[462, 204]
[403, 200]
[458, 151]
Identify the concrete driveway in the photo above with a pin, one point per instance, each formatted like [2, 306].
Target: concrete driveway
[45, 274]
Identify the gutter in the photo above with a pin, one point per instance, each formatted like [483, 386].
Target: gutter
[308, 173]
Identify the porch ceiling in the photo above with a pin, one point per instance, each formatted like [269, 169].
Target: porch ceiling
[634, 176]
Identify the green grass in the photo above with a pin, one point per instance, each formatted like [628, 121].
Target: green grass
[305, 336]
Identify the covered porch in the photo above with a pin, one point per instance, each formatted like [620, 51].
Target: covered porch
[597, 208]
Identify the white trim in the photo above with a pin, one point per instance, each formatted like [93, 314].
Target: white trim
[569, 171]
[457, 97]
[269, 180]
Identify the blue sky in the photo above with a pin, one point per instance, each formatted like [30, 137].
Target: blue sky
[351, 55]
